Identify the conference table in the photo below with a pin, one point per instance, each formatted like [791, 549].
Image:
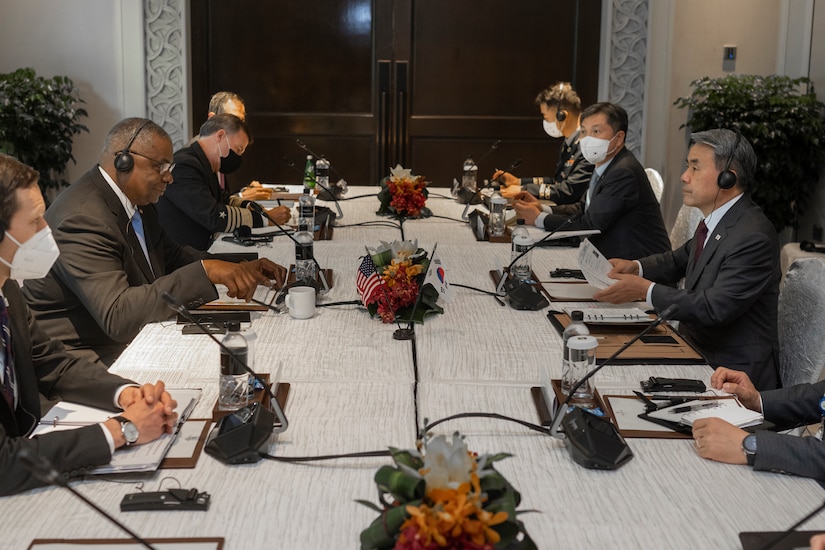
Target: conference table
[355, 388]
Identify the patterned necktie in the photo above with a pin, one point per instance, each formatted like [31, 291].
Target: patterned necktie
[9, 381]
[137, 224]
[700, 237]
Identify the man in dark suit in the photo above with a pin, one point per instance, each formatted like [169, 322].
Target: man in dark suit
[32, 364]
[561, 109]
[766, 450]
[619, 201]
[196, 208]
[728, 307]
[116, 261]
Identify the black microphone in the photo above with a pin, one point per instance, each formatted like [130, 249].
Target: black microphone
[592, 441]
[303, 146]
[330, 195]
[504, 276]
[262, 211]
[480, 189]
[42, 468]
[461, 194]
[785, 534]
[228, 442]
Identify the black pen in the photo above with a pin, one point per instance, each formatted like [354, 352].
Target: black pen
[690, 408]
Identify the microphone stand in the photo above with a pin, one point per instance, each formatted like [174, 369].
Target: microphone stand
[179, 308]
[464, 215]
[500, 286]
[43, 470]
[322, 186]
[663, 316]
[408, 333]
[260, 210]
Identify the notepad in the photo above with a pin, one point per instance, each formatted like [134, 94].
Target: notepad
[137, 458]
[733, 413]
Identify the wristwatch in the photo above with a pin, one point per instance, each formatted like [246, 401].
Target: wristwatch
[128, 429]
[749, 448]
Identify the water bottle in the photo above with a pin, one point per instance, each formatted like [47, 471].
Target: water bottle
[469, 175]
[582, 361]
[522, 241]
[498, 205]
[304, 262]
[575, 328]
[322, 173]
[309, 173]
[233, 386]
[306, 210]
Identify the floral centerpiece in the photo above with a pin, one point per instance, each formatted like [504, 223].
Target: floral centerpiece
[403, 195]
[444, 496]
[390, 279]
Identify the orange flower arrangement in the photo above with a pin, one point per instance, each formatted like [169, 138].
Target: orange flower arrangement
[445, 497]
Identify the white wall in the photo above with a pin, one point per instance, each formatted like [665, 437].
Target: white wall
[96, 43]
[687, 40]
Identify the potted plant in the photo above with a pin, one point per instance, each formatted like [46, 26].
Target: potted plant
[38, 120]
[784, 122]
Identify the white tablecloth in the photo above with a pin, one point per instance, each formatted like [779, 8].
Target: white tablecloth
[353, 389]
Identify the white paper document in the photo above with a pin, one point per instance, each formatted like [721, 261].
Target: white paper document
[594, 265]
[138, 458]
[729, 410]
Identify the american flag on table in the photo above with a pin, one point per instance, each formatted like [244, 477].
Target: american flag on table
[367, 281]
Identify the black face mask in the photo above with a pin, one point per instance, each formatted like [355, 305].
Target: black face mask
[231, 162]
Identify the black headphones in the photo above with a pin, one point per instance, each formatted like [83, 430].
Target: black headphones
[124, 161]
[727, 178]
[561, 114]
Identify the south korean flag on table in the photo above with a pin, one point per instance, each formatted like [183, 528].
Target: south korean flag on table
[437, 276]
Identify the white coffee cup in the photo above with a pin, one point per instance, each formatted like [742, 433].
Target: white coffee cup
[301, 302]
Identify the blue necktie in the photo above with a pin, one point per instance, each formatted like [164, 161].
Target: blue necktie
[137, 224]
[9, 382]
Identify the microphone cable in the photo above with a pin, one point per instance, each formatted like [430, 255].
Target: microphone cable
[487, 292]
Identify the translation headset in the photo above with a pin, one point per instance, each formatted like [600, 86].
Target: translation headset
[727, 178]
[560, 113]
[124, 161]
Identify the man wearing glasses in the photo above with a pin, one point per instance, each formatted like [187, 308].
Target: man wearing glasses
[115, 259]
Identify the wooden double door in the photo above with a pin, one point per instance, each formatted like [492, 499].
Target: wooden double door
[374, 83]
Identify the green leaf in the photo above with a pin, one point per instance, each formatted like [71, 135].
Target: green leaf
[383, 531]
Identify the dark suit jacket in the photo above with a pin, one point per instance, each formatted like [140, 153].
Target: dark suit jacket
[43, 367]
[789, 407]
[625, 210]
[572, 177]
[101, 291]
[194, 208]
[728, 307]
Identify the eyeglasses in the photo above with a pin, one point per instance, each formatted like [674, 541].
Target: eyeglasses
[160, 166]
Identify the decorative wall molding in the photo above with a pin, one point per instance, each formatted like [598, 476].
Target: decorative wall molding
[628, 57]
[164, 25]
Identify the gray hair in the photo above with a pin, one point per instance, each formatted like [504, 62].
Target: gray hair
[742, 159]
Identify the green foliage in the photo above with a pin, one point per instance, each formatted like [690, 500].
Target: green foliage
[785, 125]
[38, 120]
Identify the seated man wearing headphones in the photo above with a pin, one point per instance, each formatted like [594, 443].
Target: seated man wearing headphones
[561, 111]
[115, 259]
[728, 307]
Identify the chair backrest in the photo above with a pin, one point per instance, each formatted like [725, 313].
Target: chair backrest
[685, 226]
[656, 182]
[802, 322]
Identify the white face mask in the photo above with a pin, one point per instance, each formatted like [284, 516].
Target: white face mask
[552, 129]
[35, 257]
[595, 150]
